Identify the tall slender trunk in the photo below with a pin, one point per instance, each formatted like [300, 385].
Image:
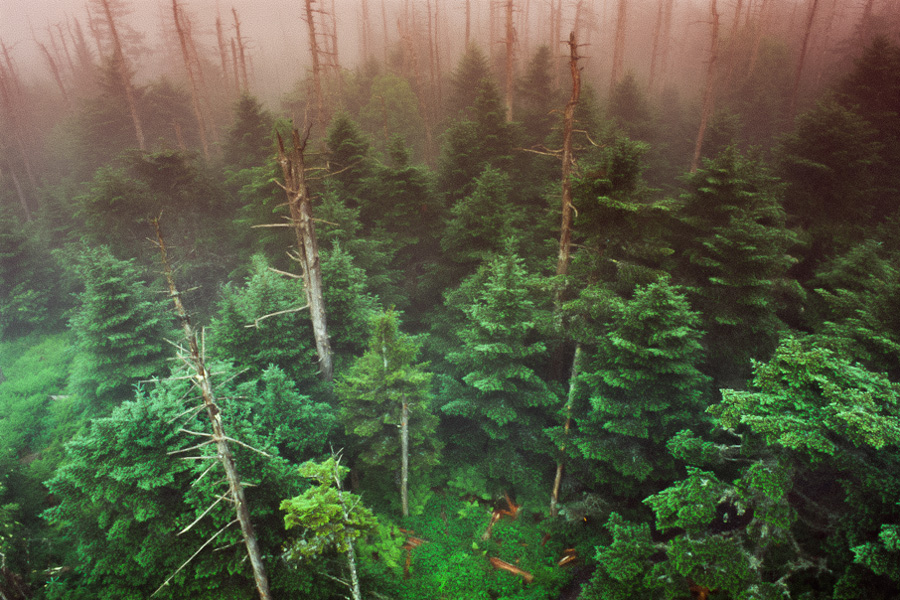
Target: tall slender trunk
[314, 52]
[54, 69]
[618, 61]
[568, 161]
[709, 90]
[234, 67]
[223, 53]
[241, 51]
[404, 457]
[223, 450]
[758, 34]
[560, 464]
[188, 66]
[124, 76]
[510, 56]
[366, 32]
[798, 73]
[69, 60]
[300, 205]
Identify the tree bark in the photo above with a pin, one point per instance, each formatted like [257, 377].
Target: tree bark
[404, 458]
[568, 160]
[223, 451]
[124, 76]
[300, 205]
[195, 91]
[223, 53]
[709, 91]
[241, 51]
[314, 53]
[560, 464]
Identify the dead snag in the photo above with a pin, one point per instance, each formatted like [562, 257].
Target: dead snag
[299, 202]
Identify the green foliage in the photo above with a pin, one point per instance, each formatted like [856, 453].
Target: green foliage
[126, 490]
[120, 330]
[828, 163]
[284, 340]
[471, 69]
[857, 293]
[331, 518]
[494, 385]
[248, 142]
[815, 403]
[393, 108]
[373, 391]
[642, 380]
[535, 97]
[348, 155]
[731, 253]
[482, 222]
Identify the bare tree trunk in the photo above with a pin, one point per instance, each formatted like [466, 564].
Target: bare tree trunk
[568, 160]
[709, 91]
[234, 67]
[300, 204]
[560, 464]
[223, 53]
[223, 450]
[82, 50]
[314, 52]
[124, 76]
[432, 65]
[557, 39]
[510, 56]
[65, 46]
[404, 458]
[437, 54]
[618, 60]
[54, 69]
[195, 92]
[666, 38]
[241, 50]
[795, 90]
[366, 32]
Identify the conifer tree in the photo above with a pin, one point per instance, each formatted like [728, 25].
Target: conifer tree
[496, 388]
[385, 395]
[640, 379]
[120, 329]
[248, 142]
[731, 247]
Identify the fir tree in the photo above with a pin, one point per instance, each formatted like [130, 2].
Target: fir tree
[496, 393]
[641, 381]
[120, 329]
[248, 142]
[381, 388]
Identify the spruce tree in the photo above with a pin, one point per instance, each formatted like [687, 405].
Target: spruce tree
[120, 329]
[730, 251]
[248, 142]
[382, 388]
[639, 382]
[496, 394]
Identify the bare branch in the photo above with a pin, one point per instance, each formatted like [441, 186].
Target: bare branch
[256, 321]
[200, 549]
[203, 514]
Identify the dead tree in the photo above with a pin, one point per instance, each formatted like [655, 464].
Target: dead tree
[709, 90]
[307, 254]
[618, 60]
[510, 58]
[798, 73]
[366, 32]
[560, 464]
[758, 34]
[181, 28]
[54, 69]
[234, 66]
[121, 68]
[201, 379]
[241, 51]
[65, 46]
[315, 53]
[223, 53]
[657, 30]
[468, 22]
[568, 161]
[565, 232]
[384, 24]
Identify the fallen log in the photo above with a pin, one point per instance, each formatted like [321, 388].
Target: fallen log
[502, 565]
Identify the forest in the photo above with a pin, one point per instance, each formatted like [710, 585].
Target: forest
[492, 300]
